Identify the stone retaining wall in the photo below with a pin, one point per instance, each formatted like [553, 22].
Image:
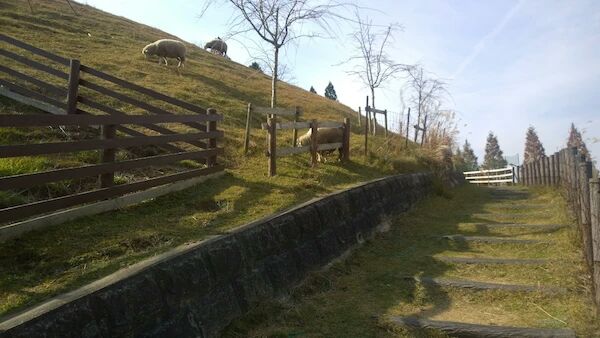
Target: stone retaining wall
[197, 289]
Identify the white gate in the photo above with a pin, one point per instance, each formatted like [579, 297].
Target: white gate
[493, 176]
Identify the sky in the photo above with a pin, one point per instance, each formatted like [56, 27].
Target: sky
[509, 64]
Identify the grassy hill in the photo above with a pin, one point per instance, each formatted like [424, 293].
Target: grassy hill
[44, 263]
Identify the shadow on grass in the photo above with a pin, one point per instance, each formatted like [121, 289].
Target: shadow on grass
[353, 297]
[60, 258]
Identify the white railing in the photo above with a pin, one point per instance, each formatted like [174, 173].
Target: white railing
[493, 176]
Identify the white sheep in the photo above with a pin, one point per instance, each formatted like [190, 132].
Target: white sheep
[324, 136]
[166, 48]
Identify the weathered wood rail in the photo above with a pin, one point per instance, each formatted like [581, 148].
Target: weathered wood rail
[576, 174]
[80, 97]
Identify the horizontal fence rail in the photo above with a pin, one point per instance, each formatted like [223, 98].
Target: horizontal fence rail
[492, 176]
[78, 96]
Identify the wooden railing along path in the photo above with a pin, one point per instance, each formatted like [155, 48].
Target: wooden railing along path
[69, 105]
[576, 174]
[493, 176]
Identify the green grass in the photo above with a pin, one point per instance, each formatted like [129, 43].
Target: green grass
[356, 296]
[61, 258]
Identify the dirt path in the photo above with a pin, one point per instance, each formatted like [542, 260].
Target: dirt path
[481, 262]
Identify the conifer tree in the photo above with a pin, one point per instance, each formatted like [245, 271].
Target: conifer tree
[254, 65]
[534, 150]
[469, 157]
[312, 90]
[330, 92]
[493, 158]
[576, 141]
[458, 160]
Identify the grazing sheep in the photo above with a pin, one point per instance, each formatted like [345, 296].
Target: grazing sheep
[166, 48]
[217, 46]
[324, 136]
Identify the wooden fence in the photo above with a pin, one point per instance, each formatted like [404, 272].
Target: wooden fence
[293, 114]
[491, 177]
[68, 105]
[273, 152]
[578, 177]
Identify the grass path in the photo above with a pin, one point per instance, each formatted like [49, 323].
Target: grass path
[363, 295]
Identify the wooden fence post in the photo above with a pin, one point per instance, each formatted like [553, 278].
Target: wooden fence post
[346, 141]
[585, 174]
[73, 86]
[551, 175]
[247, 133]
[386, 127]
[548, 171]
[557, 168]
[313, 142]
[595, 229]
[295, 131]
[536, 172]
[521, 174]
[359, 118]
[108, 155]
[543, 177]
[212, 143]
[552, 167]
[272, 144]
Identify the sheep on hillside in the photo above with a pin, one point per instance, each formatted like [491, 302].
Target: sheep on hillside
[166, 48]
[324, 136]
[217, 46]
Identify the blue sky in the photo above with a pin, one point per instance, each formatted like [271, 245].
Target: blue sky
[509, 64]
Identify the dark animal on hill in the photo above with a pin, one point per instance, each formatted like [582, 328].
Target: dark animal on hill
[217, 46]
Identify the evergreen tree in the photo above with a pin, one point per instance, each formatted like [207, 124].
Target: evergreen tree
[256, 66]
[493, 155]
[312, 90]
[534, 150]
[330, 92]
[458, 160]
[576, 141]
[469, 157]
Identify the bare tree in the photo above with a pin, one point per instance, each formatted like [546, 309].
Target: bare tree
[278, 22]
[373, 65]
[427, 94]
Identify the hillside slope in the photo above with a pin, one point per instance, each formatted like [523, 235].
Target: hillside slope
[113, 44]
[44, 263]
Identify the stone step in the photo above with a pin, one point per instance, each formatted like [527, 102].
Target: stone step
[490, 239]
[519, 206]
[510, 215]
[457, 329]
[469, 284]
[521, 225]
[497, 261]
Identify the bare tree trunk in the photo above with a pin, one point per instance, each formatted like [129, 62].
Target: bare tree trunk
[374, 115]
[418, 117]
[274, 79]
